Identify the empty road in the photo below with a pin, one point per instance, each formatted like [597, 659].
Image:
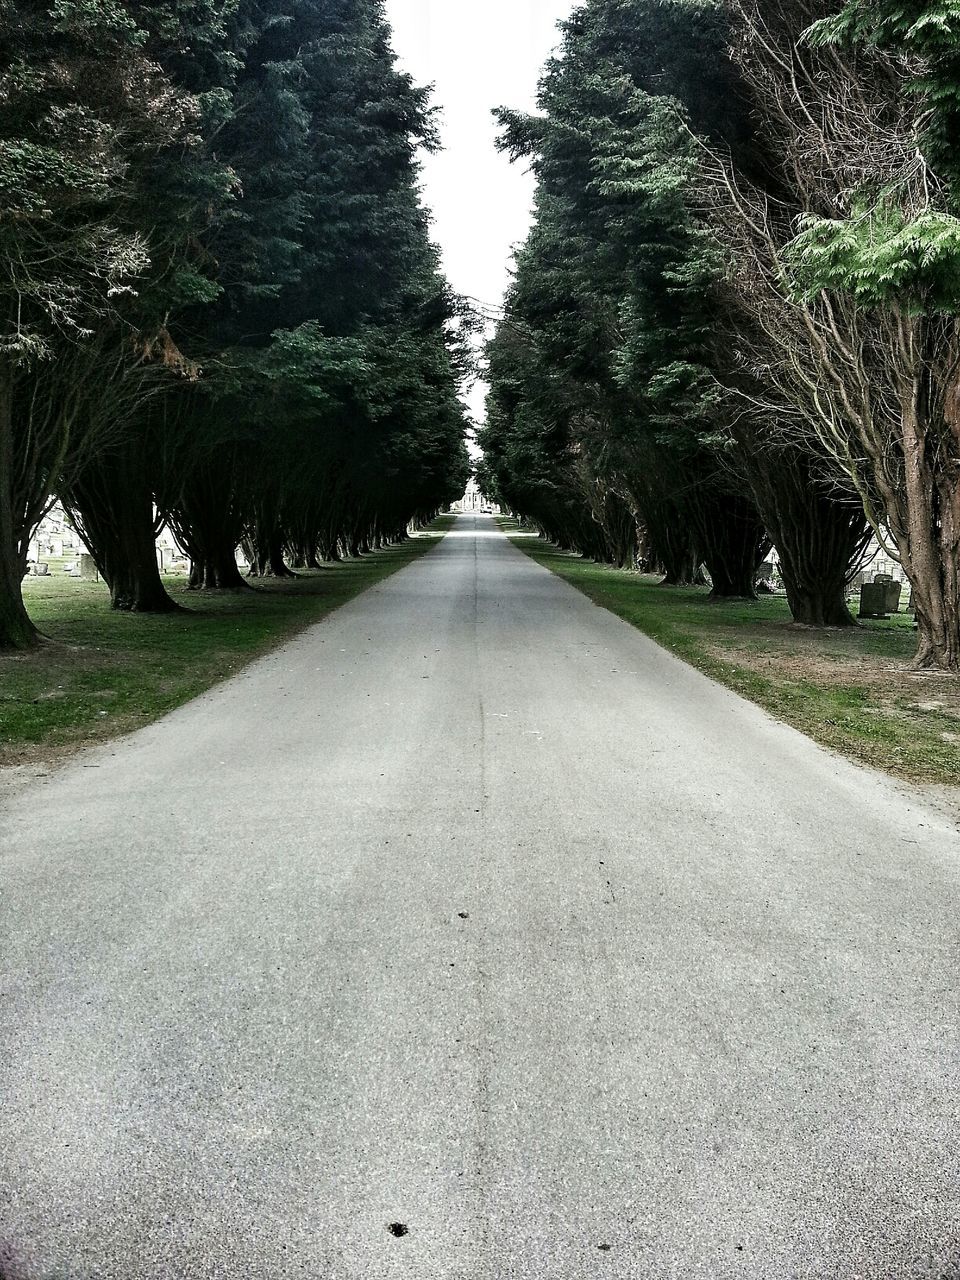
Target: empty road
[470, 936]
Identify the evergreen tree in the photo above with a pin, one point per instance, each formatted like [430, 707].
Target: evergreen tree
[216, 257]
[328, 271]
[611, 282]
[82, 107]
[642, 100]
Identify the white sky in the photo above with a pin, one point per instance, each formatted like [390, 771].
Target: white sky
[478, 54]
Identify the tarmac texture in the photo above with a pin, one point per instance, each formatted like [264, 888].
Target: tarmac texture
[471, 936]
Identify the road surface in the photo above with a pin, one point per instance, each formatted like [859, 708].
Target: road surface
[470, 936]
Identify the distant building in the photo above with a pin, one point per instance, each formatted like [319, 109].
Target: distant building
[881, 562]
[878, 562]
[473, 501]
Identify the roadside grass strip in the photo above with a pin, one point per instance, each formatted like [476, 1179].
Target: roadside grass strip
[849, 688]
[104, 673]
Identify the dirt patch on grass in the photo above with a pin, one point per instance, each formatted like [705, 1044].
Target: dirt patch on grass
[865, 705]
[890, 685]
[49, 754]
[945, 799]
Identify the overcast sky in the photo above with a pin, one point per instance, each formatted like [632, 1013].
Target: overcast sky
[478, 54]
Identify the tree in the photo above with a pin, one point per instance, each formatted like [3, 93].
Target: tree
[112, 491]
[852, 272]
[678, 418]
[216, 258]
[328, 272]
[80, 102]
[611, 283]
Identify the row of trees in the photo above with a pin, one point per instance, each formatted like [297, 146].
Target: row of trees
[219, 305]
[735, 321]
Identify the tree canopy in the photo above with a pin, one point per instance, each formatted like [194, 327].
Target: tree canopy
[221, 307]
[734, 321]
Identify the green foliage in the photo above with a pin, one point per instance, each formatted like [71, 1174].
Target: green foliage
[887, 251]
[218, 200]
[926, 29]
[880, 255]
[89, 20]
[330, 352]
[84, 111]
[601, 374]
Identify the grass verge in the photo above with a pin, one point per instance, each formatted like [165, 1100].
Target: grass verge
[105, 673]
[848, 688]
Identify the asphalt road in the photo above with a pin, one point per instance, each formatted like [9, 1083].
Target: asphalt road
[472, 912]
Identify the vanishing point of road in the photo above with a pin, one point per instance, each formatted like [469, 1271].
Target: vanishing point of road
[470, 936]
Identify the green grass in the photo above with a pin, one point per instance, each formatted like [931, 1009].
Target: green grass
[105, 673]
[851, 689]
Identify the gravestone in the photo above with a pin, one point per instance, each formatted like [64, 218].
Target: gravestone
[873, 600]
[892, 590]
[88, 568]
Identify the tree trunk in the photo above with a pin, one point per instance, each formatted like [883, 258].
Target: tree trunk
[930, 542]
[217, 573]
[277, 564]
[207, 517]
[669, 544]
[612, 536]
[304, 553]
[112, 504]
[683, 572]
[265, 552]
[733, 580]
[734, 544]
[131, 571]
[16, 629]
[820, 541]
[821, 605]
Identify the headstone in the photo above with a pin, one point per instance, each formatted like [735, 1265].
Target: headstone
[873, 600]
[88, 568]
[893, 590]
